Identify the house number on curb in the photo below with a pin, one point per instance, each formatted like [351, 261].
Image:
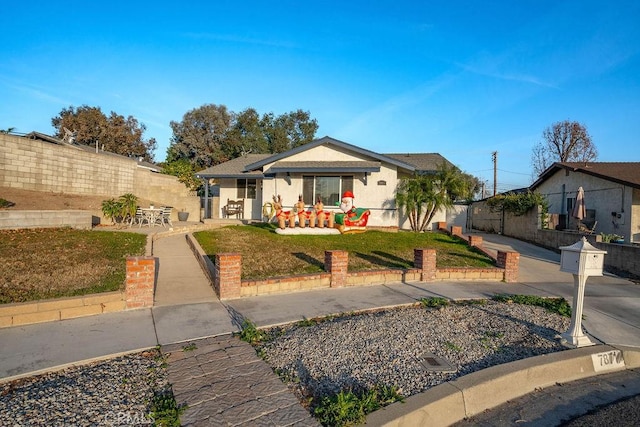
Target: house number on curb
[608, 360]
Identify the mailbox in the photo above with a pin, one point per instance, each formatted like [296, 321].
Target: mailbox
[582, 259]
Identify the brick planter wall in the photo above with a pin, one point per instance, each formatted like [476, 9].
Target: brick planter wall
[227, 275]
[510, 261]
[336, 263]
[140, 282]
[424, 261]
[475, 240]
[228, 283]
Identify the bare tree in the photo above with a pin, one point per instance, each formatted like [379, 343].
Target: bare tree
[564, 141]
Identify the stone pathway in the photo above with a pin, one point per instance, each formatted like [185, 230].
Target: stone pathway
[224, 382]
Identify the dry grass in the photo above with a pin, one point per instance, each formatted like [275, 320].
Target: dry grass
[267, 254]
[50, 263]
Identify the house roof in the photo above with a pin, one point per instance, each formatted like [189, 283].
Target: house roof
[251, 165]
[422, 162]
[234, 168]
[626, 173]
[326, 140]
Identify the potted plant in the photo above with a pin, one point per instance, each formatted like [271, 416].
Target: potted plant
[182, 215]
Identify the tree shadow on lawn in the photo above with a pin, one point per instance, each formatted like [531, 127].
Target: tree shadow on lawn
[383, 259]
[309, 259]
[472, 257]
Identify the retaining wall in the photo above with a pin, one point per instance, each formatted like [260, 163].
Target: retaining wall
[620, 258]
[43, 166]
[138, 293]
[225, 274]
[12, 219]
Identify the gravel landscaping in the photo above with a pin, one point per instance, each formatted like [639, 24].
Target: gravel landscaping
[115, 392]
[316, 359]
[393, 347]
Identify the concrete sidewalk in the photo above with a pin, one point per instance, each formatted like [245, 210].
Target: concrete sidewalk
[187, 309]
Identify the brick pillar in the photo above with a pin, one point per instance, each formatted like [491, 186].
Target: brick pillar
[442, 225]
[510, 261]
[475, 240]
[140, 281]
[337, 263]
[227, 275]
[456, 230]
[425, 261]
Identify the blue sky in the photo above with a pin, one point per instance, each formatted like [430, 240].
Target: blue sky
[461, 78]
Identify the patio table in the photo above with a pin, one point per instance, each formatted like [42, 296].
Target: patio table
[151, 215]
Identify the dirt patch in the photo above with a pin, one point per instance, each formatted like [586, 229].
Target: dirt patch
[43, 200]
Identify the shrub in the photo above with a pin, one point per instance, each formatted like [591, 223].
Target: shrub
[121, 209]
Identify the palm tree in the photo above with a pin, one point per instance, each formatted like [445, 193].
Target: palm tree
[423, 195]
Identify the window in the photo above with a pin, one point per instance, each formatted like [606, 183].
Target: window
[328, 188]
[246, 188]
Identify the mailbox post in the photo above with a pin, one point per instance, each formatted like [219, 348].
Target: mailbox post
[582, 260]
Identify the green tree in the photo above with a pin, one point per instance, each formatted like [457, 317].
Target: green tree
[246, 134]
[289, 130]
[421, 196]
[201, 136]
[184, 171]
[211, 134]
[564, 141]
[115, 133]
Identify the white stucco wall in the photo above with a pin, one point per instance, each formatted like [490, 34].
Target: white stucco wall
[369, 193]
[605, 197]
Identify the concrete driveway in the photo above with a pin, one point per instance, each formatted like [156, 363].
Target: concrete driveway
[612, 304]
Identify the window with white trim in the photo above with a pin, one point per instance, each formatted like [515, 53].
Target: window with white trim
[328, 188]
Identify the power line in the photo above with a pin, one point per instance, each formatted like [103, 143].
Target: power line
[517, 173]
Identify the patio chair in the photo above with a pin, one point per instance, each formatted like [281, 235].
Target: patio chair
[165, 217]
[138, 218]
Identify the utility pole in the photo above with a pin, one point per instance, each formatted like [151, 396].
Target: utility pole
[494, 157]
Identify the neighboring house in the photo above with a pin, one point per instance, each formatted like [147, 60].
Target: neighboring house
[324, 168]
[611, 194]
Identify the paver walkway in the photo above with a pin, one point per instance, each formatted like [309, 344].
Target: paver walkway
[224, 382]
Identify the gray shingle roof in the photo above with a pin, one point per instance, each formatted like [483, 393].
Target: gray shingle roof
[234, 167]
[327, 140]
[423, 162]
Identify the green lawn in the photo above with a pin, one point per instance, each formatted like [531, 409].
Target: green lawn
[51, 263]
[267, 254]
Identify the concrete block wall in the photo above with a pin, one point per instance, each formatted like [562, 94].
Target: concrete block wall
[10, 219]
[60, 309]
[42, 166]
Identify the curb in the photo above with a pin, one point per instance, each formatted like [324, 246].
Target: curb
[474, 393]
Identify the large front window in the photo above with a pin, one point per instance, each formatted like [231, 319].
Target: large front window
[246, 188]
[327, 188]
